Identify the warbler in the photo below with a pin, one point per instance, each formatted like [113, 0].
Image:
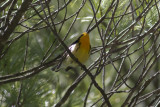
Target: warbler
[80, 49]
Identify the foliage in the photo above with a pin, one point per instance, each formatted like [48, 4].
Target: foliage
[123, 69]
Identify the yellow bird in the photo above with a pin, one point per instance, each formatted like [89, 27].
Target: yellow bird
[80, 49]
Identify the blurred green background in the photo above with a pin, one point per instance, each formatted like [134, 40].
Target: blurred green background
[48, 87]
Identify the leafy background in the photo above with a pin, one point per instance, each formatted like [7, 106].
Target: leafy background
[33, 43]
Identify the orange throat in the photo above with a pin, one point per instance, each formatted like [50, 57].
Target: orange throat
[85, 42]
